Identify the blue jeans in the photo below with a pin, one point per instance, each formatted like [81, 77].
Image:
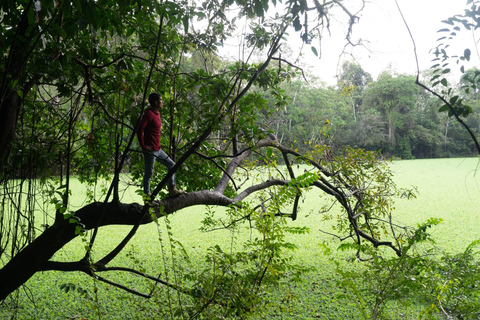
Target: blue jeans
[150, 156]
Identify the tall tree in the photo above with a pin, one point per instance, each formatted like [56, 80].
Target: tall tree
[74, 81]
[394, 97]
[352, 81]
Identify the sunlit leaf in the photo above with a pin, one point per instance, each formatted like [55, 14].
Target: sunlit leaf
[269, 153]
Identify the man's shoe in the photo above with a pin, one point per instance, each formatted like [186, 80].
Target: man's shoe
[173, 192]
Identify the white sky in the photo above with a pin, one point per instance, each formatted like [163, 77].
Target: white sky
[390, 43]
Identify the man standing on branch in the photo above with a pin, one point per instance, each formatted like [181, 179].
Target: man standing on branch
[148, 134]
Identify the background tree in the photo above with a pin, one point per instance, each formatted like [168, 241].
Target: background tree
[310, 116]
[426, 134]
[394, 97]
[352, 81]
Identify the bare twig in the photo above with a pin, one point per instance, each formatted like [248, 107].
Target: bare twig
[293, 66]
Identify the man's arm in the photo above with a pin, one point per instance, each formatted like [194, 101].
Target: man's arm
[141, 127]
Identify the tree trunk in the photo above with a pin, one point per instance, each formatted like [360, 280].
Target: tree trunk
[391, 131]
[35, 257]
[8, 122]
[354, 108]
[26, 263]
[13, 79]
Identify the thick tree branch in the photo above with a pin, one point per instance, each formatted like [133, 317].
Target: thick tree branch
[261, 186]
[219, 167]
[232, 167]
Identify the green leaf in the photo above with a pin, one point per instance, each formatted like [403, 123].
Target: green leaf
[78, 230]
[453, 99]
[303, 5]
[296, 24]
[449, 22]
[314, 50]
[467, 110]
[258, 8]
[444, 108]
[130, 31]
[77, 5]
[185, 23]
[467, 53]
[14, 83]
[60, 31]
[269, 153]
[444, 82]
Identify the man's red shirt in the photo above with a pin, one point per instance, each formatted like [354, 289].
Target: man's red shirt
[150, 129]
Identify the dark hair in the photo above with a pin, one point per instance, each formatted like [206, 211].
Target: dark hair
[154, 96]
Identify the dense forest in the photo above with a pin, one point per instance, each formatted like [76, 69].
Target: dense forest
[391, 114]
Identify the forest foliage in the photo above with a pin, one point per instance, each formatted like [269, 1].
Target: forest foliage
[391, 114]
[75, 77]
